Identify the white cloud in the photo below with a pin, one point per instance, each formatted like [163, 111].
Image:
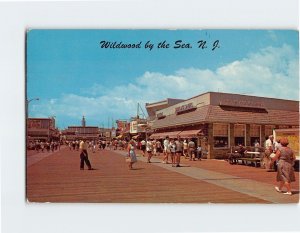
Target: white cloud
[272, 72]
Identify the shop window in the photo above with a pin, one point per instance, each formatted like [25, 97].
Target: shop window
[239, 134]
[220, 142]
[253, 140]
[239, 140]
[221, 135]
[254, 134]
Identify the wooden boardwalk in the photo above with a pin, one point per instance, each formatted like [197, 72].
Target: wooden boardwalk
[57, 178]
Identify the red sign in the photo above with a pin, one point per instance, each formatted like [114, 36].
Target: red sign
[121, 125]
[38, 123]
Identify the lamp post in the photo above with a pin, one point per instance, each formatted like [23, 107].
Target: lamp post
[51, 123]
[27, 105]
[26, 110]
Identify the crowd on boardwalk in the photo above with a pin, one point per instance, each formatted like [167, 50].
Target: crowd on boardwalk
[44, 146]
[277, 156]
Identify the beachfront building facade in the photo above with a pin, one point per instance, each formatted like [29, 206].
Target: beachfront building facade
[219, 121]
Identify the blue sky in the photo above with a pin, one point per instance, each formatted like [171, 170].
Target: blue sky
[73, 76]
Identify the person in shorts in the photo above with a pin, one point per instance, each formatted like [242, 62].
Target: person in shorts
[191, 148]
[167, 151]
[149, 149]
[173, 152]
[179, 151]
[158, 148]
[143, 147]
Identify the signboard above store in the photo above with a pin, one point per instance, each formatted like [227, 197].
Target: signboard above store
[242, 103]
[160, 115]
[185, 108]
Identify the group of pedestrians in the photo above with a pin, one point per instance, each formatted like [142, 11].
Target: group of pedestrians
[276, 152]
[172, 150]
[41, 146]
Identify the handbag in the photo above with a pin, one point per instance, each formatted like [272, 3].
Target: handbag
[128, 159]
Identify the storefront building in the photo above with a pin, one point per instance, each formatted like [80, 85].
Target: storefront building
[41, 129]
[219, 121]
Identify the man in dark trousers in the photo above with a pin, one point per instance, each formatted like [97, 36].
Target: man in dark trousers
[84, 155]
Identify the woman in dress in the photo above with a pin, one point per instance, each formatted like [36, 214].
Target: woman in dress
[131, 154]
[285, 170]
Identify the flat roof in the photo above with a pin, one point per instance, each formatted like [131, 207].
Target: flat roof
[83, 127]
[163, 101]
[237, 94]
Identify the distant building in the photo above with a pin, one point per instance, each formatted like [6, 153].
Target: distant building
[105, 133]
[80, 132]
[42, 129]
[83, 123]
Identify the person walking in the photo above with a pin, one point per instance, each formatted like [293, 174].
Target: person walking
[149, 149]
[285, 170]
[83, 146]
[131, 154]
[179, 151]
[167, 151]
[154, 150]
[185, 149]
[191, 146]
[143, 147]
[269, 149]
[158, 148]
[199, 152]
[173, 151]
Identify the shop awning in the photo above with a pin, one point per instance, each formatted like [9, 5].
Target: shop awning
[158, 136]
[135, 137]
[173, 134]
[191, 133]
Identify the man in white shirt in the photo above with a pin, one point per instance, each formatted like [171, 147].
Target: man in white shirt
[166, 150]
[83, 146]
[269, 149]
[149, 149]
[143, 146]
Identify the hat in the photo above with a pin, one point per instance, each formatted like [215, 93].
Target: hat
[284, 141]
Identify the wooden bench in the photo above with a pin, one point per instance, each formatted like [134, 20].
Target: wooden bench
[251, 158]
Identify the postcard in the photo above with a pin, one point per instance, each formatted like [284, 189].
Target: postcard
[162, 116]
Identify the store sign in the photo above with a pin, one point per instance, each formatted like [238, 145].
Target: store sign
[184, 108]
[38, 123]
[133, 127]
[242, 103]
[113, 133]
[160, 115]
[121, 125]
